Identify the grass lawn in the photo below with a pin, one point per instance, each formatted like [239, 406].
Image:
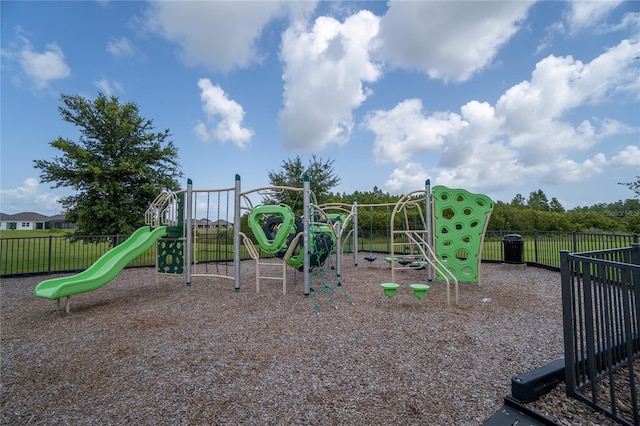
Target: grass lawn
[47, 250]
[34, 233]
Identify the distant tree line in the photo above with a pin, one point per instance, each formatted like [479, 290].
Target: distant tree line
[538, 213]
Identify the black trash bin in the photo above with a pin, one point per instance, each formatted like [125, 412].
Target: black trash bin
[513, 248]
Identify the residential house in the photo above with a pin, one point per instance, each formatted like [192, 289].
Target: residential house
[208, 224]
[31, 220]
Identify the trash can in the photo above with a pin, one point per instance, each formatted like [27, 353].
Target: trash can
[513, 249]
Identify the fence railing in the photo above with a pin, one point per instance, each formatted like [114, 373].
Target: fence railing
[61, 254]
[601, 322]
[55, 254]
[541, 248]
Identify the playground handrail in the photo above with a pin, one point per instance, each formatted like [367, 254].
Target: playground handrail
[162, 210]
[437, 265]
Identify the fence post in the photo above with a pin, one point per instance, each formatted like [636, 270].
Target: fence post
[635, 238]
[535, 244]
[635, 254]
[49, 259]
[567, 323]
[575, 242]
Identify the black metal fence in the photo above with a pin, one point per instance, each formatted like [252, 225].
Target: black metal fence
[53, 254]
[601, 322]
[56, 254]
[59, 253]
[542, 248]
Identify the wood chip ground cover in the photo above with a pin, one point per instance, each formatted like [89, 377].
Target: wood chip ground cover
[149, 350]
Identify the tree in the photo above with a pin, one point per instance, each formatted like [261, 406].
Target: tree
[555, 206]
[322, 178]
[117, 166]
[518, 201]
[634, 186]
[538, 201]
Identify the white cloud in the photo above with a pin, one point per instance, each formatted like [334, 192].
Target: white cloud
[27, 198]
[404, 130]
[406, 179]
[325, 71]
[610, 127]
[525, 137]
[563, 169]
[226, 113]
[629, 21]
[628, 157]
[219, 35]
[40, 68]
[590, 15]
[533, 109]
[121, 47]
[486, 167]
[448, 40]
[584, 14]
[108, 87]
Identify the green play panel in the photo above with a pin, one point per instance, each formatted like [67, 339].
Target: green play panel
[460, 221]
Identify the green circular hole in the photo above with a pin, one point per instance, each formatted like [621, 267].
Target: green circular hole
[462, 255]
[448, 213]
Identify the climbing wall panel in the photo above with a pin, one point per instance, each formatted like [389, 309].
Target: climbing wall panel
[170, 254]
[459, 225]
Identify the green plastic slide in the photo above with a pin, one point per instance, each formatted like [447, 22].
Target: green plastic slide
[104, 269]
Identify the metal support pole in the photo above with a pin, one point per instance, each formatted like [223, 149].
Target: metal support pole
[338, 248]
[355, 231]
[236, 233]
[306, 218]
[189, 230]
[429, 222]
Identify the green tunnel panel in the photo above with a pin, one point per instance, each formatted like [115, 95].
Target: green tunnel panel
[460, 219]
[278, 242]
[297, 258]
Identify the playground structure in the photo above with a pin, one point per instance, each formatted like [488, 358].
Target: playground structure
[304, 243]
[440, 231]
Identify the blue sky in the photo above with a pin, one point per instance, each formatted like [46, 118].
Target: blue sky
[498, 97]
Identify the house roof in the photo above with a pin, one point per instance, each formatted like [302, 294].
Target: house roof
[29, 217]
[57, 218]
